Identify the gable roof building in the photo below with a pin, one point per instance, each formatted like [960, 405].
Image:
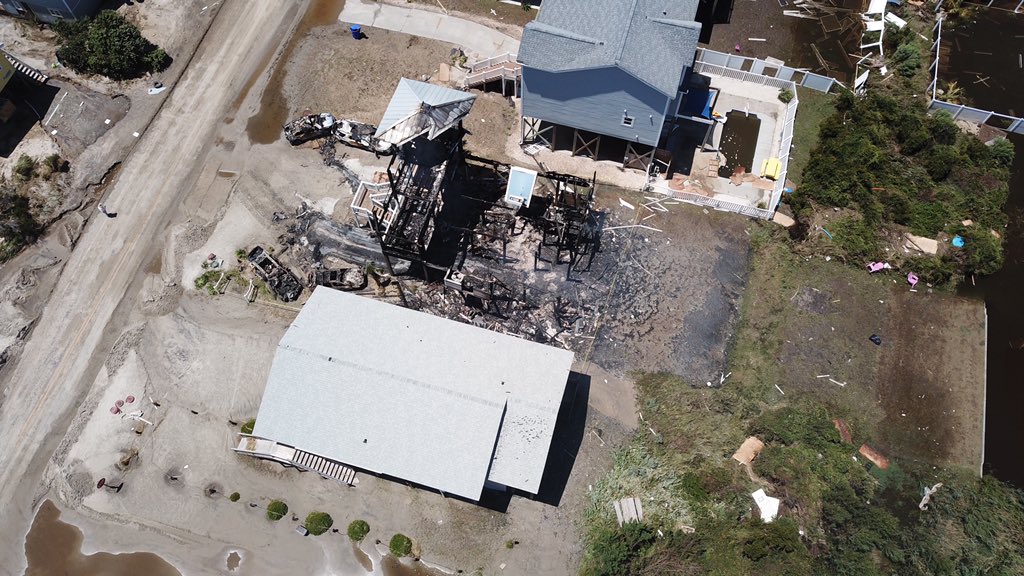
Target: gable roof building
[418, 108]
[611, 67]
[413, 396]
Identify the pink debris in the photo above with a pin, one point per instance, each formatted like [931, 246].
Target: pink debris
[119, 403]
[912, 279]
[737, 46]
[211, 257]
[115, 410]
[129, 399]
[878, 267]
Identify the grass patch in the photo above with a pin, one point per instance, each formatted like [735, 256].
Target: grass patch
[840, 515]
[248, 426]
[814, 108]
[235, 497]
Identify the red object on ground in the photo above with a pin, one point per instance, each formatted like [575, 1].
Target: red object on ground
[130, 399]
[114, 410]
[119, 403]
[874, 456]
[212, 256]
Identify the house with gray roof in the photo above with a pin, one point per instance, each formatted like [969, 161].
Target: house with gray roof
[606, 69]
[360, 384]
[50, 11]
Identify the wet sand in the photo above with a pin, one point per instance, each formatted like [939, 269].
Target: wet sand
[54, 547]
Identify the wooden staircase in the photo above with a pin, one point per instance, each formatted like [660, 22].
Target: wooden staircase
[503, 67]
[324, 467]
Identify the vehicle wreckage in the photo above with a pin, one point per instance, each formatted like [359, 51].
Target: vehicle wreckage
[325, 125]
[281, 281]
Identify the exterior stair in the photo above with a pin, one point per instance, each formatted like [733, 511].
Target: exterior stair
[503, 67]
[324, 467]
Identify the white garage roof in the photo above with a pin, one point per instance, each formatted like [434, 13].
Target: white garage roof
[414, 396]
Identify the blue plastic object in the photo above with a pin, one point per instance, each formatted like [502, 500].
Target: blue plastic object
[357, 31]
[958, 242]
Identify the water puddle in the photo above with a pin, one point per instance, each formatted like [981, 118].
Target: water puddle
[233, 561]
[739, 140]
[362, 557]
[264, 127]
[55, 547]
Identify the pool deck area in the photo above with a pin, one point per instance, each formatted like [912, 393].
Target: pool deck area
[749, 189]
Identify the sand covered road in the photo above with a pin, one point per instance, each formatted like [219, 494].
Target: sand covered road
[61, 356]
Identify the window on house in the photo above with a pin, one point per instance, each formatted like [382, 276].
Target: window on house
[627, 121]
[56, 13]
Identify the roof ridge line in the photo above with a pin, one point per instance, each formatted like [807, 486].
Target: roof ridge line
[562, 32]
[625, 37]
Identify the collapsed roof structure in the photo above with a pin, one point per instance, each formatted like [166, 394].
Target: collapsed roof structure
[459, 407]
[419, 108]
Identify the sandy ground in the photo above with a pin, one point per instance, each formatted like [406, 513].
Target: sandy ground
[57, 365]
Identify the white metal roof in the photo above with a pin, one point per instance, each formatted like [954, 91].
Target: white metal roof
[414, 396]
[421, 108]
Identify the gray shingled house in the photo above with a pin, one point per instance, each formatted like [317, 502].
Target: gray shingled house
[50, 11]
[606, 68]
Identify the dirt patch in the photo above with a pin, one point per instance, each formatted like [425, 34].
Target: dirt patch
[490, 124]
[933, 390]
[917, 396]
[329, 71]
[491, 13]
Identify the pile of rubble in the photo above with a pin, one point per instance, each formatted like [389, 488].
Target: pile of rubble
[559, 322]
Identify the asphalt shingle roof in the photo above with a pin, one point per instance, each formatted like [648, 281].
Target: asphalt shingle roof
[653, 40]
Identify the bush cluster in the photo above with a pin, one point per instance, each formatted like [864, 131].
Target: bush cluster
[318, 522]
[108, 45]
[358, 529]
[899, 166]
[18, 226]
[400, 545]
[276, 510]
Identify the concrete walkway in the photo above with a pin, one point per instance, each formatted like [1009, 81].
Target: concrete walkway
[477, 41]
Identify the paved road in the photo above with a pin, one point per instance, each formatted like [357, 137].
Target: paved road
[61, 357]
[477, 41]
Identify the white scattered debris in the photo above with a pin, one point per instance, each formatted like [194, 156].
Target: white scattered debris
[768, 505]
[625, 204]
[928, 496]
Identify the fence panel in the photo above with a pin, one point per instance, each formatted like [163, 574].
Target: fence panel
[818, 82]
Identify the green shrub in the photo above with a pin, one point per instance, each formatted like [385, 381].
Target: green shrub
[358, 529]
[25, 167]
[856, 238]
[400, 545]
[614, 551]
[235, 496]
[318, 522]
[786, 95]
[17, 225]
[109, 45]
[248, 426]
[943, 128]
[1002, 151]
[276, 510]
[907, 59]
[940, 161]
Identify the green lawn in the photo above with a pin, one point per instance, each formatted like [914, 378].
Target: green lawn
[814, 108]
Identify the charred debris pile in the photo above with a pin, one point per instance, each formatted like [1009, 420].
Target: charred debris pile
[437, 224]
